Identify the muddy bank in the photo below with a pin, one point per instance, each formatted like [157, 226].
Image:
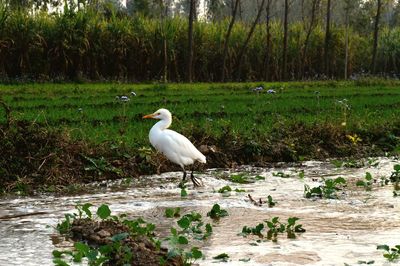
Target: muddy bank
[35, 158]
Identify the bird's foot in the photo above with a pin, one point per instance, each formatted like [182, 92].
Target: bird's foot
[196, 181]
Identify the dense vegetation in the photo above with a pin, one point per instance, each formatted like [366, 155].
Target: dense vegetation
[103, 44]
[81, 133]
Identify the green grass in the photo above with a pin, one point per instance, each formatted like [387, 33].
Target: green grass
[236, 125]
[211, 107]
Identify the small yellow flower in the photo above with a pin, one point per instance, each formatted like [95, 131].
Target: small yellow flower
[354, 139]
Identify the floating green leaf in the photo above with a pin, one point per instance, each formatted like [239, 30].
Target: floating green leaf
[184, 222]
[216, 212]
[183, 240]
[172, 212]
[222, 257]
[225, 189]
[103, 211]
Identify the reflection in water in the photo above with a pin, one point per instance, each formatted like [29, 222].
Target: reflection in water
[340, 231]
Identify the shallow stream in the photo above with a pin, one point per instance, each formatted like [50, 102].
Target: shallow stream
[339, 231]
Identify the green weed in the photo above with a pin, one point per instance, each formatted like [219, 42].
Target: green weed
[367, 182]
[395, 177]
[271, 202]
[217, 212]
[328, 190]
[225, 189]
[223, 257]
[391, 254]
[275, 227]
[172, 212]
[281, 174]
[240, 178]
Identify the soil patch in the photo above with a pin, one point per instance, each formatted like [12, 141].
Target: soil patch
[144, 251]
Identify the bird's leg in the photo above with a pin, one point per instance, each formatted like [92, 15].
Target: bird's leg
[196, 182]
[182, 183]
[184, 176]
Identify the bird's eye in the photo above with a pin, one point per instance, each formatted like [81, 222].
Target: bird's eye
[158, 113]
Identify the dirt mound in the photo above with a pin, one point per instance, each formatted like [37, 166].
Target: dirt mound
[144, 251]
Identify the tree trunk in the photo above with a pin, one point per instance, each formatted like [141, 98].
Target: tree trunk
[376, 32]
[190, 39]
[327, 37]
[285, 41]
[315, 4]
[346, 59]
[268, 44]
[164, 12]
[244, 47]
[228, 34]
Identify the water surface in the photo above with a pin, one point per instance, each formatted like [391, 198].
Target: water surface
[344, 230]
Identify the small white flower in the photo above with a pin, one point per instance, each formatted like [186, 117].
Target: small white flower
[80, 109]
[133, 93]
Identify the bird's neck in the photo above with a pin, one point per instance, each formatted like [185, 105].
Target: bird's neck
[163, 124]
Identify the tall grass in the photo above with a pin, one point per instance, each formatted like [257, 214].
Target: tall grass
[90, 44]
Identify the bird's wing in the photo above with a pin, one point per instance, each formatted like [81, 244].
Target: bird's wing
[179, 149]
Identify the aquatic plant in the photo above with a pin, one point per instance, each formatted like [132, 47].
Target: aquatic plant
[367, 182]
[224, 189]
[246, 230]
[391, 253]
[271, 203]
[183, 191]
[241, 178]
[223, 257]
[275, 227]
[244, 178]
[281, 174]
[395, 177]
[217, 212]
[172, 212]
[328, 190]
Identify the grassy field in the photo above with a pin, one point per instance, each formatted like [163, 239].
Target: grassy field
[91, 111]
[81, 131]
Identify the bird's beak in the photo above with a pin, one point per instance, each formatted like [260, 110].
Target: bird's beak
[148, 116]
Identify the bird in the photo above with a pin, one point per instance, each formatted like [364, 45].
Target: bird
[258, 89]
[124, 98]
[173, 145]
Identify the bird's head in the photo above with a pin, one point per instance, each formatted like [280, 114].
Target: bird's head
[162, 114]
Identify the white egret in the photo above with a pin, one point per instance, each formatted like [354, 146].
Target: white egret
[176, 147]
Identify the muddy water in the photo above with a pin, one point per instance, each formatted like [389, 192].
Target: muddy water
[346, 230]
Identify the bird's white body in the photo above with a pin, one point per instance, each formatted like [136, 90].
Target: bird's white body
[176, 147]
